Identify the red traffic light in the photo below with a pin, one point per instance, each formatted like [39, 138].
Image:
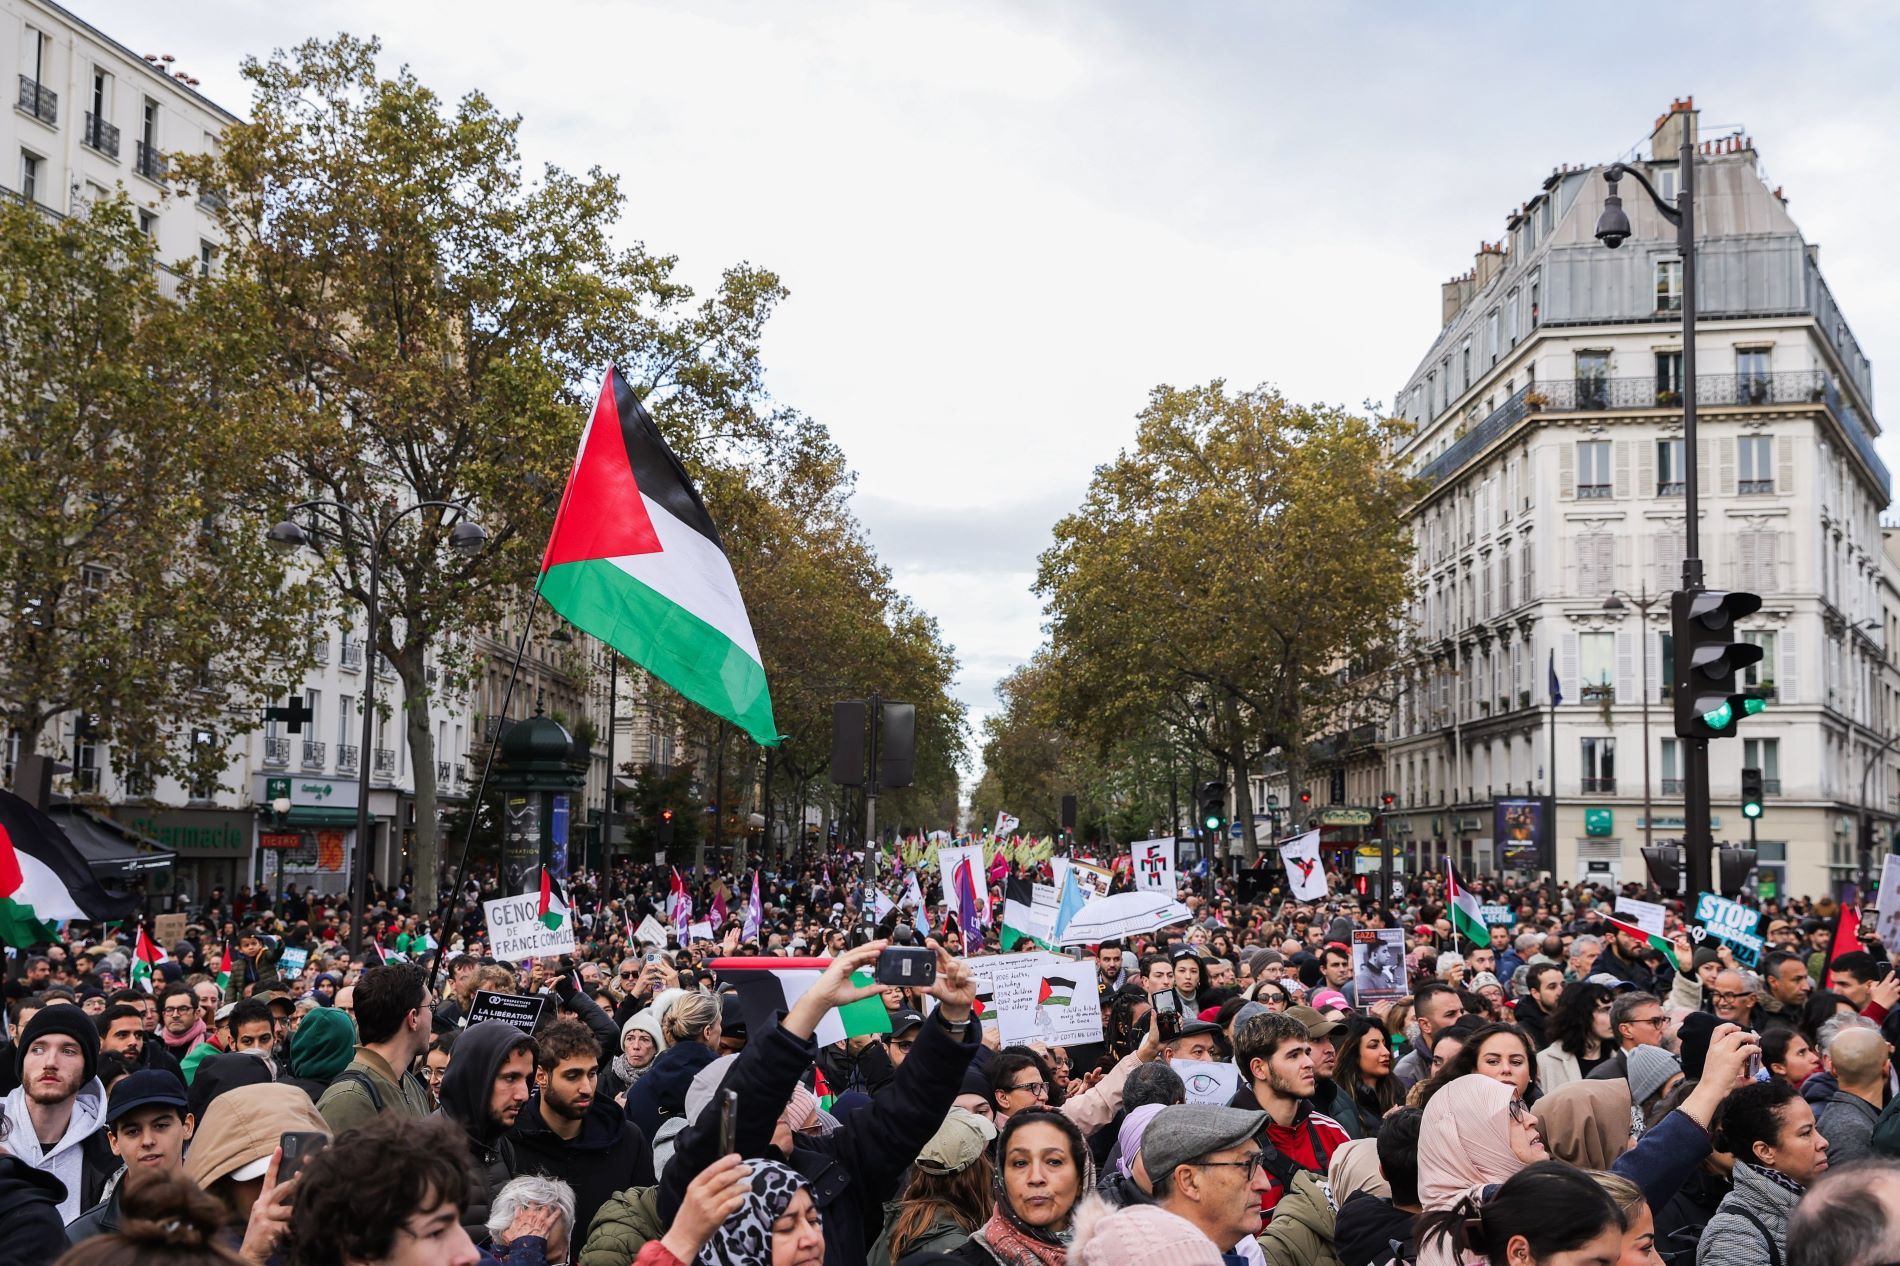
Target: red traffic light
[1361, 884]
[666, 815]
[1306, 797]
[1387, 799]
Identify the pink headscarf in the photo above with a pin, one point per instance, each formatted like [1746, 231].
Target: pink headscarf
[1464, 1142]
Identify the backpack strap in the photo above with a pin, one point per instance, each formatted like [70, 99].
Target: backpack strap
[1774, 1249]
[357, 1077]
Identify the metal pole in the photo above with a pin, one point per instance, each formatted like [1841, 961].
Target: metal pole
[359, 860]
[607, 809]
[1698, 838]
[875, 716]
[1642, 609]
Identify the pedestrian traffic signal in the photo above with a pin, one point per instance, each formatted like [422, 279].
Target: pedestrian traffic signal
[1734, 866]
[1361, 885]
[1213, 801]
[1664, 862]
[1708, 701]
[1751, 792]
[1387, 799]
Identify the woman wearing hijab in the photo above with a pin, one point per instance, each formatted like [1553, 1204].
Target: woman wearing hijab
[1044, 1168]
[1125, 1182]
[742, 1213]
[1475, 1134]
[1587, 1122]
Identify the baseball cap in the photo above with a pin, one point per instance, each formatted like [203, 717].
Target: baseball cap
[1330, 1000]
[1317, 1025]
[958, 1143]
[145, 1088]
[1611, 982]
[903, 1020]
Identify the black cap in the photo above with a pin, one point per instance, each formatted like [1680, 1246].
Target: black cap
[903, 1020]
[1692, 1039]
[66, 1020]
[145, 1088]
[1195, 1028]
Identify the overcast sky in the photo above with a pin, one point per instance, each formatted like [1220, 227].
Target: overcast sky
[1001, 224]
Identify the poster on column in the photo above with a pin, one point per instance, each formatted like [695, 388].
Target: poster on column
[1888, 908]
[948, 859]
[1038, 997]
[1154, 865]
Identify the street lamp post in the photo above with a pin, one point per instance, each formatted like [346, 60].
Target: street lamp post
[466, 537]
[1618, 599]
[1613, 229]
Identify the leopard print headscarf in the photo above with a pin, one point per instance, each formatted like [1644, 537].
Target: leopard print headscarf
[745, 1237]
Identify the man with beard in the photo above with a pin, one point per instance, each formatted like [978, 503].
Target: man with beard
[180, 1026]
[53, 1117]
[1275, 1056]
[568, 1131]
[483, 1091]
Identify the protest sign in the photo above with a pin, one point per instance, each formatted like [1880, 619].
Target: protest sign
[169, 929]
[1206, 1081]
[1497, 916]
[651, 932]
[1378, 964]
[948, 859]
[1732, 923]
[515, 930]
[523, 1010]
[1005, 823]
[1095, 881]
[1305, 873]
[699, 931]
[290, 963]
[1647, 915]
[1040, 997]
[1888, 926]
[1154, 864]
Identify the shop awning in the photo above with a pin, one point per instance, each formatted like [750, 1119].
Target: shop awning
[320, 815]
[109, 847]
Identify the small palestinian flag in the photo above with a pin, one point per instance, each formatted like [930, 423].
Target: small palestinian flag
[1658, 943]
[769, 986]
[985, 999]
[1055, 991]
[145, 960]
[822, 1089]
[224, 971]
[553, 910]
[1467, 916]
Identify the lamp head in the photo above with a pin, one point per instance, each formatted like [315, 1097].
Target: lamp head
[1613, 225]
[280, 806]
[467, 537]
[1612, 603]
[287, 537]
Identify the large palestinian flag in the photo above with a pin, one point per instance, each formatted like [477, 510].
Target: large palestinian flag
[44, 880]
[768, 986]
[635, 560]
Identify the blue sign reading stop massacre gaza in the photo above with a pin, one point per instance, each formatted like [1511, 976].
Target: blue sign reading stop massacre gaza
[1732, 923]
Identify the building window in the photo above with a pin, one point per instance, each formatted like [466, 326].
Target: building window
[1666, 182]
[1668, 378]
[1464, 357]
[1763, 673]
[148, 223]
[1668, 674]
[1668, 285]
[1546, 214]
[1599, 765]
[1751, 372]
[206, 253]
[1671, 777]
[1765, 755]
[30, 176]
[1593, 468]
[1593, 380]
[1596, 564]
[1754, 474]
[1596, 666]
[1669, 472]
[1536, 312]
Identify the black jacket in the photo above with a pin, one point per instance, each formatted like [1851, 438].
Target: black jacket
[1679, 1223]
[102, 1218]
[1365, 1227]
[1532, 1018]
[853, 1171]
[466, 1087]
[610, 1154]
[662, 1092]
[29, 1214]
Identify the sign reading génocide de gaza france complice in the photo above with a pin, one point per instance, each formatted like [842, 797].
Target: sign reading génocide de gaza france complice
[515, 932]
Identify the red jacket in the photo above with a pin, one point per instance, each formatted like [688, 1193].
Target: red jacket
[1309, 1143]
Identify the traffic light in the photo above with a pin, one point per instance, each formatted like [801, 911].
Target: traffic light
[1751, 792]
[1664, 862]
[1306, 797]
[666, 828]
[1708, 701]
[1736, 864]
[1387, 800]
[1213, 801]
[1361, 885]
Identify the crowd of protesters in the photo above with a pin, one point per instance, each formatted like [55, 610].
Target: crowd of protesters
[1565, 1093]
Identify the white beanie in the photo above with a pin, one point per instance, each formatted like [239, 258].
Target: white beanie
[648, 1023]
[1137, 1235]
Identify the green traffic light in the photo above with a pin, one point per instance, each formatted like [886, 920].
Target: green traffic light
[1752, 706]
[1751, 808]
[1211, 822]
[1717, 718]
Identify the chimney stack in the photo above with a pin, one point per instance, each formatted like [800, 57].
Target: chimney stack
[1488, 263]
[1672, 128]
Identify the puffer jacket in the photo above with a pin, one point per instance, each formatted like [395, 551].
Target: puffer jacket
[625, 1224]
[1301, 1232]
[466, 1087]
[1730, 1239]
[942, 1236]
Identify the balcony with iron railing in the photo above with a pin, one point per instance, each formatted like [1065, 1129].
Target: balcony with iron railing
[385, 762]
[441, 773]
[461, 773]
[148, 162]
[312, 754]
[1602, 395]
[1672, 786]
[352, 658]
[100, 135]
[277, 752]
[346, 758]
[320, 649]
[38, 100]
[1599, 786]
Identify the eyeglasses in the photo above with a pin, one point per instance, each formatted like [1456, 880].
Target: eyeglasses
[1040, 1089]
[182, 1009]
[1723, 995]
[1251, 1164]
[903, 1043]
[1521, 1113]
[1657, 1020]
